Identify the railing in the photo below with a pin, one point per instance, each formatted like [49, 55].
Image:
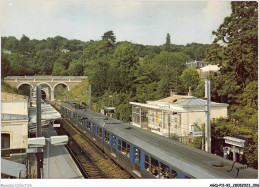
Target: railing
[46, 77]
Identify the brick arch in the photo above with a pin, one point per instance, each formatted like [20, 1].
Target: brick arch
[46, 84]
[25, 83]
[63, 84]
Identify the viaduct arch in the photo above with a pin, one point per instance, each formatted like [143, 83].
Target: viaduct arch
[51, 81]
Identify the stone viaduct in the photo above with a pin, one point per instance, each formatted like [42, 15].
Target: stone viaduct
[51, 81]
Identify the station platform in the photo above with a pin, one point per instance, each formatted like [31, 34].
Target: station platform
[61, 165]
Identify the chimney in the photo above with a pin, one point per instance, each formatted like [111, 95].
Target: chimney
[189, 93]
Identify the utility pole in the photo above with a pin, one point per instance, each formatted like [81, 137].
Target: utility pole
[89, 100]
[39, 154]
[207, 127]
[38, 111]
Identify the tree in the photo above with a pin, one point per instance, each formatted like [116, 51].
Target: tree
[5, 65]
[24, 44]
[190, 78]
[169, 65]
[168, 43]
[125, 61]
[109, 37]
[75, 68]
[237, 40]
[58, 69]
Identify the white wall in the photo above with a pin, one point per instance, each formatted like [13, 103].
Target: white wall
[18, 130]
[14, 107]
[192, 115]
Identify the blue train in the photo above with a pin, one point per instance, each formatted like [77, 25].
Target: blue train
[147, 155]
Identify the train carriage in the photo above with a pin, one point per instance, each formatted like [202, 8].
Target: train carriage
[148, 155]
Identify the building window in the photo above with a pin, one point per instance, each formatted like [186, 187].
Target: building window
[174, 174]
[106, 137]
[99, 132]
[164, 171]
[5, 141]
[154, 167]
[147, 163]
[137, 156]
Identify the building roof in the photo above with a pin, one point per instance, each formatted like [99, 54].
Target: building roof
[176, 98]
[8, 117]
[48, 114]
[210, 68]
[183, 100]
[157, 107]
[194, 101]
[12, 96]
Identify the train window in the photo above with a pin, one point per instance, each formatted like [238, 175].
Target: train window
[128, 150]
[137, 156]
[174, 174]
[89, 125]
[80, 120]
[106, 137]
[123, 147]
[164, 171]
[114, 140]
[154, 167]
[147, 163]
[119, 145]
[99, 132]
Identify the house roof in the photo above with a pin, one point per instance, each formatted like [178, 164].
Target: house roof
[194, 101]
[184, 100]
[173, 99]
[210, 68]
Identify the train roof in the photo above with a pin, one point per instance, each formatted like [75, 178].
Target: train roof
[192, 161]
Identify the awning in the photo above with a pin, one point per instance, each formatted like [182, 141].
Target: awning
[48, 114]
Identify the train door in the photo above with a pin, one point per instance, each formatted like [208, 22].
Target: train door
[137, 161]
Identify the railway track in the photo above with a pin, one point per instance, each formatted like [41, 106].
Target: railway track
[108, 167]
[86, 165]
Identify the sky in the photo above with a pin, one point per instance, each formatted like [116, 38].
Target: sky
[142, 22]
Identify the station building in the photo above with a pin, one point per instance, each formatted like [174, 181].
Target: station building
[175, 116]
[14, 120]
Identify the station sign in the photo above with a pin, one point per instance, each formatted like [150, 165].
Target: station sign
[196, 134]
[234, 141]
[56, 125]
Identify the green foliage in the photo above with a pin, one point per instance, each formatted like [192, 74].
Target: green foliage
[81, 91]
[196, 51]
[125, 61]
[76, 68]
[235, 50]
[169, 67]
[168, 43]
[238, 37]
[5, 65]
[8, 89]
[227, 127]
[109, 37]
[200, 90]
[58, 69]
[190, 78]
